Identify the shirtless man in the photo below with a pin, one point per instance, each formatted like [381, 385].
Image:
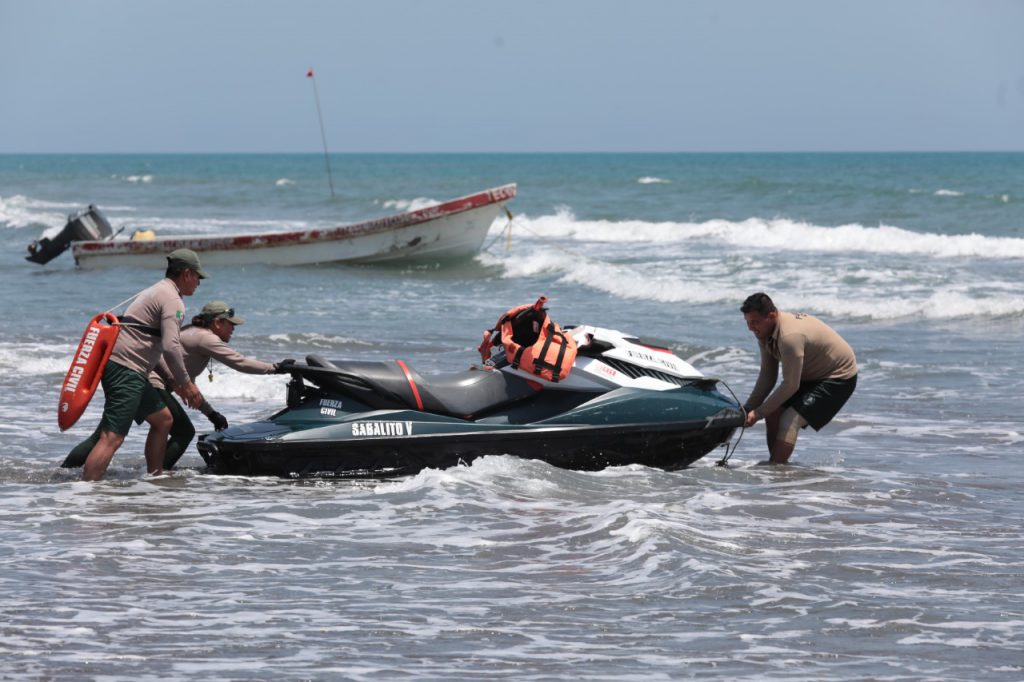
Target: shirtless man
[819, 374]
[151, 328]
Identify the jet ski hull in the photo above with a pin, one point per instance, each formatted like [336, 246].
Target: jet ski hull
[579, 448]
[662, 429]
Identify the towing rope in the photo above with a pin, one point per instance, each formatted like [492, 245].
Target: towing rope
[127, 300]
[129, 322]
[507, 232]
[743, 427]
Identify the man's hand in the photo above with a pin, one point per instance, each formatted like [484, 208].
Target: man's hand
[751, 419]
[191, 395]
[283, 367]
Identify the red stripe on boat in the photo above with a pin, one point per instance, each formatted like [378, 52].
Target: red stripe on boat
[270, 239]
[412, 384]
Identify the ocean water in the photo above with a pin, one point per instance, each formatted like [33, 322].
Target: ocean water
[891, 550]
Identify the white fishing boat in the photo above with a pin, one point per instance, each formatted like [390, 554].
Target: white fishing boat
[450, 230]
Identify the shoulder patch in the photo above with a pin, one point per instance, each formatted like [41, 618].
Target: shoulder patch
[178, 315]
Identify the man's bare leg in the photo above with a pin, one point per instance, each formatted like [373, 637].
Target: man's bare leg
[99, 457]
[160, 423]
[781, 452]
[788, 423]
[771, 427]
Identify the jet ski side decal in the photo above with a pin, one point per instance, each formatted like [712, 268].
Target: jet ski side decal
[329, 408]
[380, 428]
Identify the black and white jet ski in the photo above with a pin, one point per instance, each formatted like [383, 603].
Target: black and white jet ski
[623, 402]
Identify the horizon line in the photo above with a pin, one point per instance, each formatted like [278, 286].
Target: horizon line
[511, 153]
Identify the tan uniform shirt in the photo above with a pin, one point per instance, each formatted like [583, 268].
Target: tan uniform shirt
[158, 307]
[200, 346]
[808, 349]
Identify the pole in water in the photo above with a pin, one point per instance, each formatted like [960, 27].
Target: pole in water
[323, 135]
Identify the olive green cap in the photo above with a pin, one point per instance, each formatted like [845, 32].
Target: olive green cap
[187, 258]
[219, 309]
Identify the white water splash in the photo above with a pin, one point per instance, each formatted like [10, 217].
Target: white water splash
[404, 205]
[774, 234]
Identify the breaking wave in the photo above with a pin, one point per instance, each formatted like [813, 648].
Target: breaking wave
[775, 234]
[870, 273]
[20, 211]
[404, 205]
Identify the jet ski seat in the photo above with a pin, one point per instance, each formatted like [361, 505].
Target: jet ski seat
[385, 386]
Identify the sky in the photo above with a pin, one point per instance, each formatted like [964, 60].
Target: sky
[138, 76]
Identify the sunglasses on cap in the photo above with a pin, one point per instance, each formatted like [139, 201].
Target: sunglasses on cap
[223, 314]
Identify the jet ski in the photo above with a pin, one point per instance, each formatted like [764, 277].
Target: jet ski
[622, 401]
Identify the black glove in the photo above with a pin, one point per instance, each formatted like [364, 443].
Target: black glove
[284, 366]
[218, 421]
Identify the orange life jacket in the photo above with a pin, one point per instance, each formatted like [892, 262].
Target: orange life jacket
[533, 343]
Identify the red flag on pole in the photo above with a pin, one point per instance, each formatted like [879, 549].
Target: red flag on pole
[323, 135]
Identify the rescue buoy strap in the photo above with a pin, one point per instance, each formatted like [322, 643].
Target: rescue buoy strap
[137, 324]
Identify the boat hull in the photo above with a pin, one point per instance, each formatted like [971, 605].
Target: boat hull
[452, 230]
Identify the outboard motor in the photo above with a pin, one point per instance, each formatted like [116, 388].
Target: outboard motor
[88, 225]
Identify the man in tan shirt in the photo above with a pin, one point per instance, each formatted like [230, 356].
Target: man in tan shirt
[150, 329]
[205, 339]
[819, 374]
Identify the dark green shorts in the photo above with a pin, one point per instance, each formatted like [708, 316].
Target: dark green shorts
[125, 393]
[819, 401]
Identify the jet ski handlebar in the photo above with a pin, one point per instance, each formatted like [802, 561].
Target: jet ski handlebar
[318, 370]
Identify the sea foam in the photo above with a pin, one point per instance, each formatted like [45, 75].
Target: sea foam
[21, 211]
[880, 275]
[403, 205]
[877, 302]
[773, 234]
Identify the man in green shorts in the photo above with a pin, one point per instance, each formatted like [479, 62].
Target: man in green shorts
[819, 374]
[205, 339]
[150, 329]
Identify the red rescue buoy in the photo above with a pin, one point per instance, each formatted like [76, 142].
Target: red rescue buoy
[86, 368]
